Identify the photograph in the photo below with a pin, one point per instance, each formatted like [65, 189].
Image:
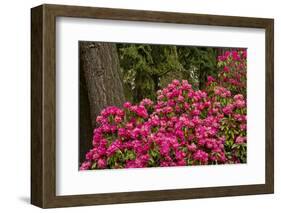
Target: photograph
[155, 105]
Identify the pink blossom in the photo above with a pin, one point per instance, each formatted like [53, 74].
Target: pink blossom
[127, 105]
[117, 119]
[240, 140]
[226, 69]
[240, 103]
[228, 109]
[101, 163]
[85, 165]
[201, 156]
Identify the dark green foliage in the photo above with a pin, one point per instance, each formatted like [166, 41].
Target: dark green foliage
[200, 61]
[148, 68]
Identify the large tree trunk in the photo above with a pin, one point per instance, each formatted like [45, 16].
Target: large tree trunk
[100, 64]
[101, 85]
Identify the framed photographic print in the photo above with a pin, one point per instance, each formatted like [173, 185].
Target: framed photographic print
[136, 106]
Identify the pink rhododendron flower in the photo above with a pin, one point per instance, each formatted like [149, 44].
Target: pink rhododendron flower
[85, 165]
[201, 156]
[240, 139]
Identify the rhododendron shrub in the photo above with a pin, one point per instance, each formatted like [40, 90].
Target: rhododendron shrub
[182, 127]
[233, 75]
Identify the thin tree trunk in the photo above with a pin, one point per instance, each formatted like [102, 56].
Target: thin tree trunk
[100, 65]
[201, 78]
[155, 79]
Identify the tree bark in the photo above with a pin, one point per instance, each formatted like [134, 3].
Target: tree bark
[100, 85]
[100, 65]
[85, 123]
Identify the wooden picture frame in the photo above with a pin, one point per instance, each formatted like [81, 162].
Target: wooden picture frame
[43, 105]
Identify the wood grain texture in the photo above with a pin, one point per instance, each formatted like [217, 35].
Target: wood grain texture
[43, 105]
[36, 106]
[269, 106]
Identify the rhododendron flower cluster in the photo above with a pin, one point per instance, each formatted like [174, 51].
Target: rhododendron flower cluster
[233, 73]
[182, 127]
